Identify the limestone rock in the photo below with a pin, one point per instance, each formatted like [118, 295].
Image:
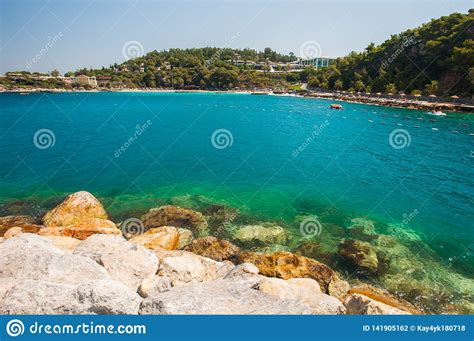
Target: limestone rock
[187, 267]
[360, 254]
[175, 216]
[165, 237]
[25, 222]
[74, 209]
[31, 257]
[42, 297]
[357, 304]
[287, 265]
[214, 248]
[67, 244]
[185, 237]
[124, 261]
[220, 297]
[383, 296]
[270, 234]
[12, 232]
[304, 290]
[243, 270]
[79, 216]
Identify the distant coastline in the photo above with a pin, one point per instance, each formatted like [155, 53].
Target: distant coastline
[386, 101]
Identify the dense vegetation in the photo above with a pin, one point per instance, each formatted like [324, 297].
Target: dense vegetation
[436, 58]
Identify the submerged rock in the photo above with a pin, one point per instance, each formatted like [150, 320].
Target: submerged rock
[259, 234]
[360, 254]
[28, 297]
[357, 304]
[365, 225]
[124, 261]
[26, 223]
[175, 216]
[165, 237]
[221, 297]
[287, 265]
[80, 215]
[185, 237]
[214, 248]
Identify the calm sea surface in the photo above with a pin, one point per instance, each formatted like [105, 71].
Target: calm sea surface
[273, 158]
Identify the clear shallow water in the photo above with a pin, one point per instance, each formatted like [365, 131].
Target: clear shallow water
[421, 195]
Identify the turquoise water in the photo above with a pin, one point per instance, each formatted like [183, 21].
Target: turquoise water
[288, 157]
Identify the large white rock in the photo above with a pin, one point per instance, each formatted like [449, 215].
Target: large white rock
[125, 262]
[96, 297]
[357, 304]
[29, 256]
[220, 297]
[304, 290]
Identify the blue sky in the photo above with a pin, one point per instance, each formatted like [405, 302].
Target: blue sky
[91, 33]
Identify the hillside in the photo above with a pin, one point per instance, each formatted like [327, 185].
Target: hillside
[436, 58]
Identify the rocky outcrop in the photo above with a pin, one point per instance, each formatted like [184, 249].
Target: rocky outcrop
[185, 237]
[220, 297]
[124, 261]
[26, 223]
[383, 296]
[259, 234]
[175, 216]
[304, 290]
[287, 265]
[165, 237]
[44, 297]
[79, 216]
[31, 257]
[357, 304]
[211, 247]
[360, 254]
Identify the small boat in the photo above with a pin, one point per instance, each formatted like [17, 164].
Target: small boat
[335, 106]
[436, 113]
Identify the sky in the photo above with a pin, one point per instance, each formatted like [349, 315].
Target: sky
[40, 35]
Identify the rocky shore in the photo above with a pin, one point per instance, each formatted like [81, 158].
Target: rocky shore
[75, 260]
[396, 102]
